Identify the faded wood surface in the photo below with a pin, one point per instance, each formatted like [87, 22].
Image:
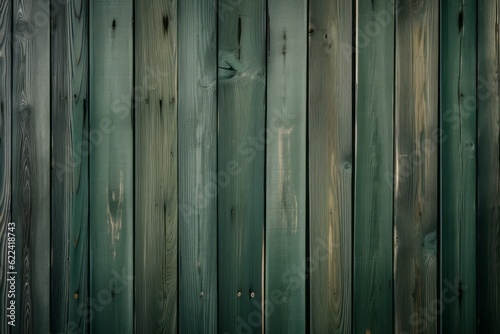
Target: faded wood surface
[458, 166]
[330, 164]
[156, 183]
[5, 148]
[488, 162]
[416, 165]
[241, 156]
[373, 283]
[286, 166]
[197, 136]
[31, 167]
[111, 166]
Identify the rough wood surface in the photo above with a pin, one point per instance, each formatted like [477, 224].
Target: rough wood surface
[156, 182]
[241, 156]
[286, 166]
[197, 45]
[373, 284]
[488, 164]
[111, 166]
[416, 168]
[458, 166]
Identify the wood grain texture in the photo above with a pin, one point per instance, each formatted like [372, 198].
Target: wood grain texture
[156, 181]
[5, 147]
[330, 163]
[458, 166]
[416, 169]
[197, 136]
[111, 166]
[286, 166]
[488, 164]
[31, 167]
[373, 285]
[241, 155]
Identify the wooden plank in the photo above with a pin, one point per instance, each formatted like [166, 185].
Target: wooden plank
[156, 166]
[111, 165]
[197, 123]
[241, 155]
[31, 167]
[373, 284]
[458, 166]
[488, 162]
[416, 169]
[330, 164]
[285, 301]
[5, 149]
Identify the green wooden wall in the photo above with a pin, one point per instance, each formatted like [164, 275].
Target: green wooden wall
[249, 166]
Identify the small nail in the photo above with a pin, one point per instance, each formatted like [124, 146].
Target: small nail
[201, 294]
[75, 296]
[252, 294]
[239, 294]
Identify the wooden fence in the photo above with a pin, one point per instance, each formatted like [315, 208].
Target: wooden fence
[250, 166]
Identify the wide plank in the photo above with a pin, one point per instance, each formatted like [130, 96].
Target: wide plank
[197, 137]
[373, 201]
[156, 177]
[330, 165]
[416, 166]
[458, 166]
[285, 298]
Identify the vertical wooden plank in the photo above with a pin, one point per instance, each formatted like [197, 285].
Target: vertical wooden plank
[111, 165]
[488, 164]
[458, 166]
[31, 167]
[241, 156]
[5, 149]
[197, 38]
[416, 169]
[156, 166]
[330, 163]
[373, 285]
[286, 166]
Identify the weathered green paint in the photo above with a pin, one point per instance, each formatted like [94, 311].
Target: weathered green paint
[286, 166]
[156, 179]
[197, 166]
[373, 284]
[416, 165]
[458, 166]
[111, 164]
[330, 164]
[488, 164]
[241, 198]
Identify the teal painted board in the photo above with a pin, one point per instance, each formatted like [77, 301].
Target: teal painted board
[488, 163]
[111, 166]
[197, 137]
[373, 201]
[330, 165]
[5, 150]
[285, 293]
[416, 166]
[31, 168]
[458, 166]
[156, 177]
[241, 155]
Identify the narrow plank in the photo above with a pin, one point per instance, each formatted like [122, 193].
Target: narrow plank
[286, 166]
[488, 162]
[111, 165]
[156, 183]
[31, 167]
[416, 169]
[330, 165]
[241, 156]
[197, 36]
[373, 284]
[5, 149]
[458, 166]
